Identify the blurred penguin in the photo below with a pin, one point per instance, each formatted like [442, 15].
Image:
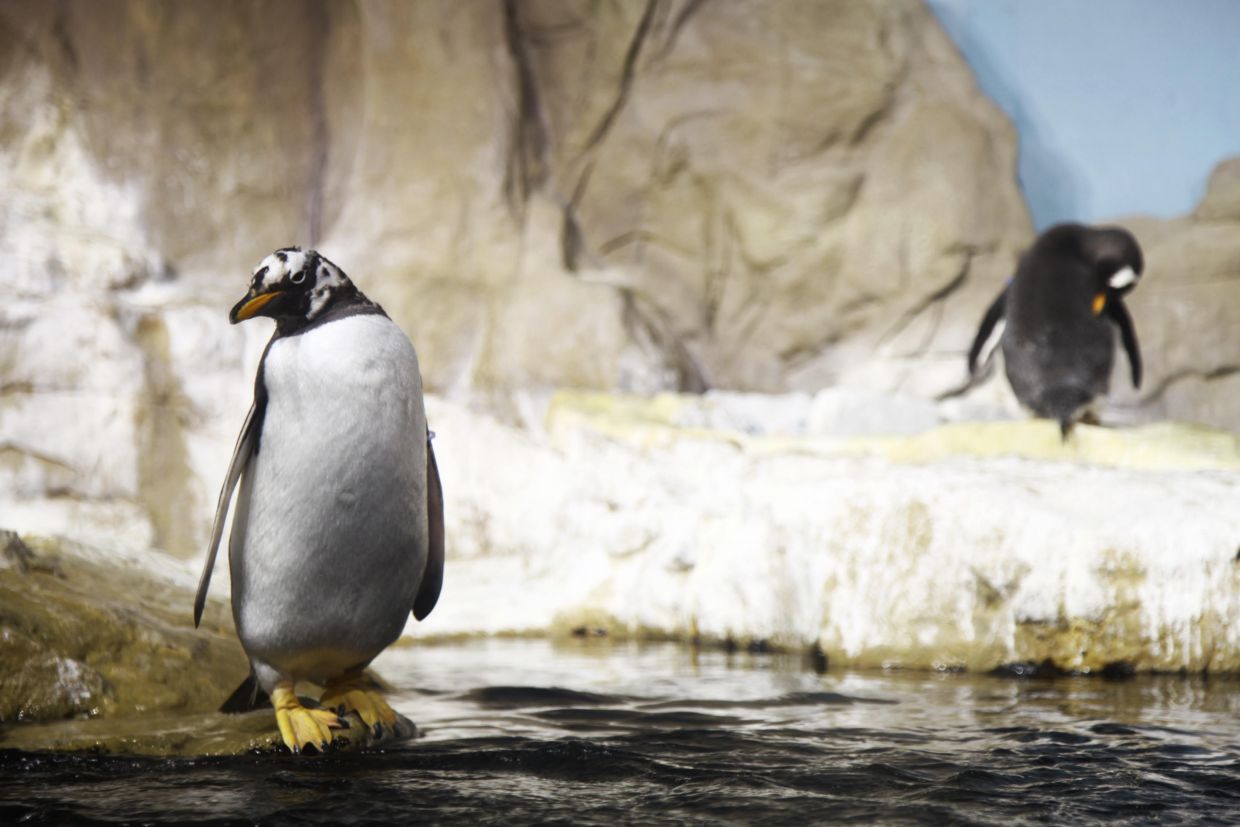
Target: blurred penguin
[1056, 320]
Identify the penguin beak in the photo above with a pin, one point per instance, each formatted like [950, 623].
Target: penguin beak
[1100, 302]
[250, 306]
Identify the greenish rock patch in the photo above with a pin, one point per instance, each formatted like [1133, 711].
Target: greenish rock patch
[182, 735]
[81, 639]
[105, 658]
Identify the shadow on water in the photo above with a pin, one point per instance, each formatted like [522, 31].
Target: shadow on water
[531, 732]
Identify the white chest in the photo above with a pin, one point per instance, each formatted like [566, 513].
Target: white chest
[344, 419]
[343, 368]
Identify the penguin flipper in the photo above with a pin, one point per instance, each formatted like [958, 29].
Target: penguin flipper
[994, 315]
[1128, 335]
[240, 458]
[432, 576]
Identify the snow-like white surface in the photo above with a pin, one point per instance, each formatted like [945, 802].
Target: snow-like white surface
[693, 532]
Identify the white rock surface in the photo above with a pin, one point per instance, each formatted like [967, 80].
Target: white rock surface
[1102, 550]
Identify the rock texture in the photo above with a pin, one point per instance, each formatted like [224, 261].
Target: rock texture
[99, 653]
[776, 193]
[85, 637]
[1188, 310]
[640, 196]
[167, 734]
[962, 546]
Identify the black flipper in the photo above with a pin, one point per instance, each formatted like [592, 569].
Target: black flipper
[432, 577]
[1128, 335]
[993, 315]
[244, 449]
[249, 695]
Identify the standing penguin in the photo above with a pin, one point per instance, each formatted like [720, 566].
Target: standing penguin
[338, 530]
[1054, 320]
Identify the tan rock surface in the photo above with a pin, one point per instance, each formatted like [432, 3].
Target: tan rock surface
[726, 174]
[82, 638]
[1187, 310]
[97, 654]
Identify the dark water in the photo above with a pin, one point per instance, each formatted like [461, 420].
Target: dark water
[521, 732]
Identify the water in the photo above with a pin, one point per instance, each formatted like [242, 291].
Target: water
[518, 732]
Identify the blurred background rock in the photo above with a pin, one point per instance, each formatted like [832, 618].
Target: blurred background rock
[807, 200]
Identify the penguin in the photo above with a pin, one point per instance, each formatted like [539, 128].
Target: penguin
[337, 533]
[1055, 321]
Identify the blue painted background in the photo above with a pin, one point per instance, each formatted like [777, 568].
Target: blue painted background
[1123, 106]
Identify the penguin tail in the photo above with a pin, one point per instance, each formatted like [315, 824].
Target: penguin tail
[1064, 404]
[248, 696]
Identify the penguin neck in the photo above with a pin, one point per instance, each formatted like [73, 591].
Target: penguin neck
[353, 305]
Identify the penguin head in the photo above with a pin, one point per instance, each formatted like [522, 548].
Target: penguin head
[293, 286]
[1116, 259]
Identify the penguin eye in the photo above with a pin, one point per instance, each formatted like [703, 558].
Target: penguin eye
[298, 277]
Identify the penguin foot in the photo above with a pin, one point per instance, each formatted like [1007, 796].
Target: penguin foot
[357, 694]
[301, 727]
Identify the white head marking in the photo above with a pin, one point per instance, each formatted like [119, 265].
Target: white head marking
[1122, 279]
[327, 279]
[272, 270]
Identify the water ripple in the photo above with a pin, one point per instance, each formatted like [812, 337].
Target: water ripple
[522, 733]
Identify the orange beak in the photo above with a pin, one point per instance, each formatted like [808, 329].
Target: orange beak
[248, 308]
